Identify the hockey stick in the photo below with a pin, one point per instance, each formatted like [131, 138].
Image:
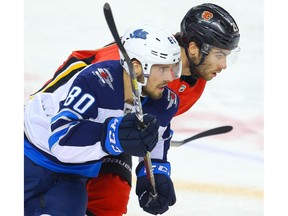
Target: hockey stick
[136, 96]
[214, 131]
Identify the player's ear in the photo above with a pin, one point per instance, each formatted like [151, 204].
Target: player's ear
[193, 49]
[138, 70]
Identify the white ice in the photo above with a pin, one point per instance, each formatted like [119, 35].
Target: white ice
[214, 176]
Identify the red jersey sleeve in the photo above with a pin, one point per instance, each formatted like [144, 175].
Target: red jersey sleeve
[78, 60]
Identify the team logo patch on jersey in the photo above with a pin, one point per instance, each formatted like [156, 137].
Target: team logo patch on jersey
[182, 88]
[104, 77]
[172, 98]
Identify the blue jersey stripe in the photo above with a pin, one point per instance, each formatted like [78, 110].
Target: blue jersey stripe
[65, 113]
[88, 170]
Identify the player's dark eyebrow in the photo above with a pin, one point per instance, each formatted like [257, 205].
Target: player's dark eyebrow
[225, 53]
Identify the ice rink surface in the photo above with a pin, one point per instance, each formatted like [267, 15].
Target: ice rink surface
[214, 176]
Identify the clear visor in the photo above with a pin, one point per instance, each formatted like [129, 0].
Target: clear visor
[220, 56]
[167, 72]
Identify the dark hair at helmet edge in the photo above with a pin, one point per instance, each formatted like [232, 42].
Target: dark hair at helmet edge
[184, 41]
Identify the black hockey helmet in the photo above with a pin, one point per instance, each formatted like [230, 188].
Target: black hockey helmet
[209, 23]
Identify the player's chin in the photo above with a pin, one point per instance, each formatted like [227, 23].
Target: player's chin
[156, 95]
[210, 77]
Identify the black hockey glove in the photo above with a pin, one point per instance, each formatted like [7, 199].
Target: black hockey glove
[164, 187]
[123, 134]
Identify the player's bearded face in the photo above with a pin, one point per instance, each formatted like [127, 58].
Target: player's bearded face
[159, 77]
[216, 61]
[213, 64]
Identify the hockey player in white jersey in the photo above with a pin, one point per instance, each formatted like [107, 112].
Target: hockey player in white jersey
[82, 118]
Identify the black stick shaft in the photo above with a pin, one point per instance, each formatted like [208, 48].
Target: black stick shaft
[136, 96]
[214, 131]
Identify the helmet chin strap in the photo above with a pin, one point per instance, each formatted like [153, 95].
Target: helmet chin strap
[192, 65]
[140, 86]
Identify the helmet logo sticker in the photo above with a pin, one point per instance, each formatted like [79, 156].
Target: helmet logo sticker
[139, 33]
[234, 26]
[172, 41]
[207, 15]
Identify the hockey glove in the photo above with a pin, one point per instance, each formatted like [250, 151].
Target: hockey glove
[123, 134]
[164, 187]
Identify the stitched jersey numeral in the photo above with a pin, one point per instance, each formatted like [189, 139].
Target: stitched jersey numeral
[83, 103]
